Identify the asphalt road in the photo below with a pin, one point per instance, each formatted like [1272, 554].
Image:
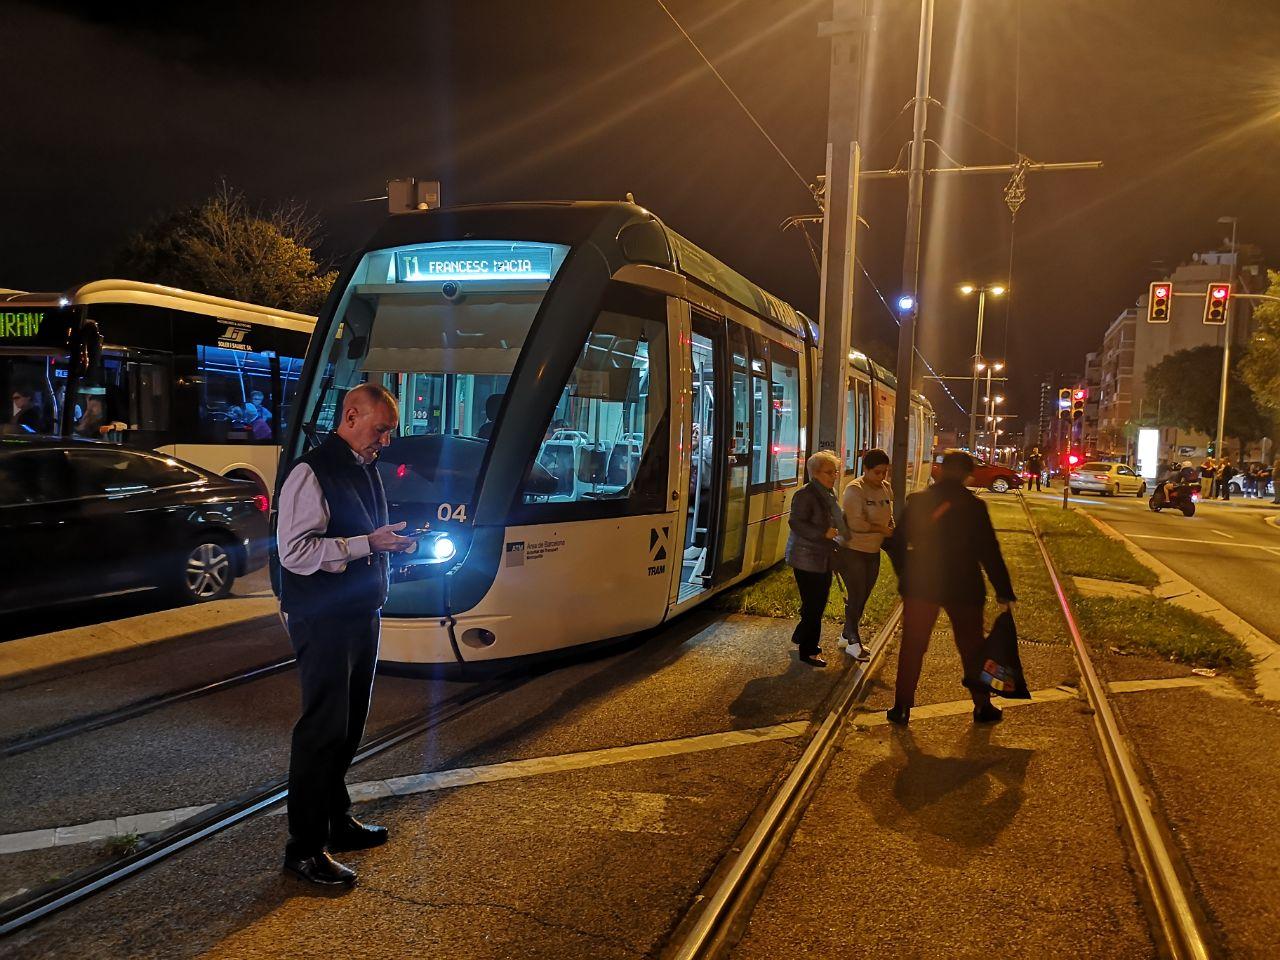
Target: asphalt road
[1229, 551]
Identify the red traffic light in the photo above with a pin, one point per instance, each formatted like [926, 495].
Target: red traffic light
[1162, 292]
[1078, 395]
[1072, 459]
[1219, 293]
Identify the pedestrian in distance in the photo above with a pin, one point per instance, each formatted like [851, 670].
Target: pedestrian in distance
[1275, 480]
[816, 522]
[946, 541]
[867, 505]
[1225, 472]
[334, 542]
[1035, 467]
[1207, 471]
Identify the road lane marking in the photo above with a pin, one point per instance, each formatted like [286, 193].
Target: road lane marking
[97, 830]
[1221, 534]
[1211, 543]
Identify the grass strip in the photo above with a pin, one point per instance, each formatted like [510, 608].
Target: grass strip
[1079, 549]
[1133, 625]
[773, 593]
[1037, 613]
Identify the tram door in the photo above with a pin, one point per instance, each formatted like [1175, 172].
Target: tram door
[698, 568]
[736, 427]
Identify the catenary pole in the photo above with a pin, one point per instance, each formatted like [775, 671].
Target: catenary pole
[848, 31]
[911, 263]
[977, 359]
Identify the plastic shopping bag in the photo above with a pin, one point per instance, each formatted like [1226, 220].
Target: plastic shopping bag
[1001, 665]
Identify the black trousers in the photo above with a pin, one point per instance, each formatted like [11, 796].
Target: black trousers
[336, 661]
[814, 589]
[860, 571]
[1035, 477]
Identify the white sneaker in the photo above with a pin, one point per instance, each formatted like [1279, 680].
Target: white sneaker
[856, 650]
[843, 642]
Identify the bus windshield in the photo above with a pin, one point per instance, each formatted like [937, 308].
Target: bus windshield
[441, 325]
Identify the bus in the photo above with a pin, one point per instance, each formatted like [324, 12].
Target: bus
[197, 377]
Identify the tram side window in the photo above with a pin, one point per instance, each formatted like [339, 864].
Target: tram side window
[784, 453]
[608, 434]
[851, 428]
[236, 396]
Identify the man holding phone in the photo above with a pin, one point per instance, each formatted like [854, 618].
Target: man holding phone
[334, 542]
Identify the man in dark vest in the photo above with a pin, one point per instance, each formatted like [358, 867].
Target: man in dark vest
[334, 542]
[945, 542]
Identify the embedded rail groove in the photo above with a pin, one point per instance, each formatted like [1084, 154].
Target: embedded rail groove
[77, 888]
[725, 904]
[1178, 923]
[139, 708]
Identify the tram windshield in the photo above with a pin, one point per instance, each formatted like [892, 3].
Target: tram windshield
[441, 325]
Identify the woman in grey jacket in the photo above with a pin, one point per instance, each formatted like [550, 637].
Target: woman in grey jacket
[868, 510]
[816, 520]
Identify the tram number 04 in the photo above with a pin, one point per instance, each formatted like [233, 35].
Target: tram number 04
[447, 511]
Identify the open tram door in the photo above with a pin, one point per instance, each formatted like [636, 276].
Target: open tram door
[719, 457]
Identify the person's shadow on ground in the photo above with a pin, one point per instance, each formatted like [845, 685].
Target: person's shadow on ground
[955, 804]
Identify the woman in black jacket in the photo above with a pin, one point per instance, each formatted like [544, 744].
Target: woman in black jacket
[816, 520]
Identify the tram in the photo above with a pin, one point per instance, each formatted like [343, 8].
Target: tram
[601, 425]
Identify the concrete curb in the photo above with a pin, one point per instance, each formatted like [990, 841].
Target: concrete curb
[1274, 521]
[30, 655]
[1265, 651]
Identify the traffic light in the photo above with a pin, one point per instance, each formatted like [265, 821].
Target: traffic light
[1078, 397]
[1064, 402]
[1072, 459]
[1215, 303]
[1158, 301]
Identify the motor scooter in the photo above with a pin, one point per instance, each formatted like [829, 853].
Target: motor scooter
[1175, 494]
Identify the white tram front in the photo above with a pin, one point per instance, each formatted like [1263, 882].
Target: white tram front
[601, 424]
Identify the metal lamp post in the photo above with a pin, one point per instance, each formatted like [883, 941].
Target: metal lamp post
[996, 290]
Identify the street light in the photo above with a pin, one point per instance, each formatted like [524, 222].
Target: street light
[992, 367]
[996, 290]
[1226, 339]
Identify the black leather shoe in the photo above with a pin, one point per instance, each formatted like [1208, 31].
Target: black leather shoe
[987, 714]
[350, 834]
[899, 715]
[322, 870]
[813, 660]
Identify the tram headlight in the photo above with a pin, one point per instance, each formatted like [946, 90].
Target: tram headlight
[442, 548]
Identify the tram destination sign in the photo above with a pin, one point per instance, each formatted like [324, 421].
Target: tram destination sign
[35, 327]
[474, 260]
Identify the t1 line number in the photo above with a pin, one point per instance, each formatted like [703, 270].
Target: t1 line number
[447, 511]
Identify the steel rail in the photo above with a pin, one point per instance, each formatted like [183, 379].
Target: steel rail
[731, 894]
[139, 708]
[77, 888]
[1177, 919]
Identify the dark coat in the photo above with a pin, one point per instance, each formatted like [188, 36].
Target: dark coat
[947, 541]
[814, 511]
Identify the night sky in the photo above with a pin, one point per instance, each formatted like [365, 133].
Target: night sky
[114, 117]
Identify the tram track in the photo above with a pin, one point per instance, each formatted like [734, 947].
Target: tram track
[23, 912]
[1179, 923]
[725, 904]
[139, 708]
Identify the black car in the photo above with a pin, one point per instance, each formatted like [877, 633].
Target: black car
[81, 519]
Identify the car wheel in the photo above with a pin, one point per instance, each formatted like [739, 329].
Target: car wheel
[208, 571]
[1075, 491]
[1142, 491]
[999, 485]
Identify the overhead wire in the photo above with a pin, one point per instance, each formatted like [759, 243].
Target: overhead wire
[745, 109]
[799, 176]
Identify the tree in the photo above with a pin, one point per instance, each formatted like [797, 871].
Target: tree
[1184, 387]
[223, 247]
[1261, 365]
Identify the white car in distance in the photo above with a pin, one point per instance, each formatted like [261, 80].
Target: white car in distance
[1107, 479]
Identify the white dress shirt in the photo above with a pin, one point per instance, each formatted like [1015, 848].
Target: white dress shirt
[302, 521]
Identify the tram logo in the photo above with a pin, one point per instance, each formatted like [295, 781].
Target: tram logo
[659, 544]
[514, 554]
[233, 337]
